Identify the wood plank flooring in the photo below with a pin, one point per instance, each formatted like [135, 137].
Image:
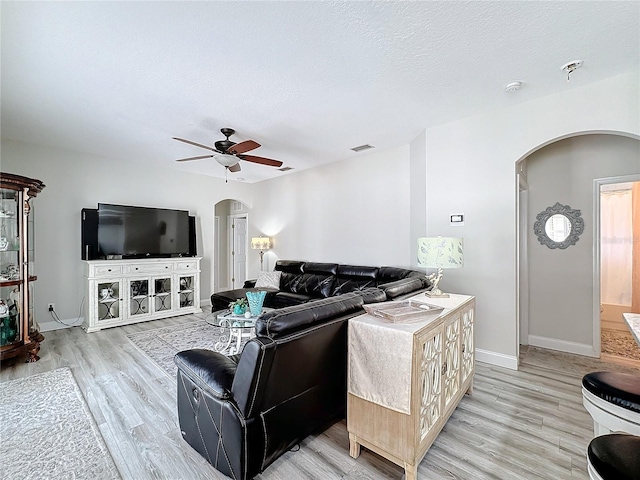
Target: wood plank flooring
[528, 424]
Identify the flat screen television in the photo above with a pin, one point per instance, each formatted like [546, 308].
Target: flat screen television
[139, 232]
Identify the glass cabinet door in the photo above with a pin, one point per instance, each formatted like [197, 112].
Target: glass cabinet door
[186, 291]
[162, 294]
[11, 321]
[109, 300]
[139, 297]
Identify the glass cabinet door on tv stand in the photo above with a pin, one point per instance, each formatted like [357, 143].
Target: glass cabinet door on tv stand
[187, 291]
[18, 330]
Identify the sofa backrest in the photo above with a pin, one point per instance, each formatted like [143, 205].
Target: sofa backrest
[354, 277]
[324, 280]
[291, 271]
[285, 321]
[391, 274]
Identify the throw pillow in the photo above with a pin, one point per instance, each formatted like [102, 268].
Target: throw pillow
[269, 280]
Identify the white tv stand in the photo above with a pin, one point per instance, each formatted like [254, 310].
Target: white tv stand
[122, 292]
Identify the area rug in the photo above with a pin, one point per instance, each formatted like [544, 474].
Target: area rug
[47, 431]
[622, 344]
[161, 344]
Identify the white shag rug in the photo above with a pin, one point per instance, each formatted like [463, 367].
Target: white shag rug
[47, 431]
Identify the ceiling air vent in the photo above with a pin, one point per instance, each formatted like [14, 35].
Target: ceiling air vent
[285, 169]
[360, 148]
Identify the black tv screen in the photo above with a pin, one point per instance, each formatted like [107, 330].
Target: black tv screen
[142, 232]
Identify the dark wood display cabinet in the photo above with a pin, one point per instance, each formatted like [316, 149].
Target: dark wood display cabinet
[19, 333]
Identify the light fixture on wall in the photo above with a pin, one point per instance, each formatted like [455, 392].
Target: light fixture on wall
[262, 244]
[439, 252]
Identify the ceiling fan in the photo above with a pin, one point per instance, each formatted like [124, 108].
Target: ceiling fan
[228, 153]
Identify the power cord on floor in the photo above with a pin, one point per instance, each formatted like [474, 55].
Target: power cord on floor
[55, 316]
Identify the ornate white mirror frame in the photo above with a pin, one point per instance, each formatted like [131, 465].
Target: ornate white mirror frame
[570, 221]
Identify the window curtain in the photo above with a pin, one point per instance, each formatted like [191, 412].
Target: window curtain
[616, 249]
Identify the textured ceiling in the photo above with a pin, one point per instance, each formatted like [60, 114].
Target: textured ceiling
[307, 80]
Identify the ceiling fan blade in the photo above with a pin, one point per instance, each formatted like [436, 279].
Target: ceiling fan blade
[194, 143]
[234, 168]
[243, 147]
[194, 158]
[261, 160]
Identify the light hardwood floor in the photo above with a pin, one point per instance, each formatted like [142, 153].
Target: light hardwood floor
[522, 424]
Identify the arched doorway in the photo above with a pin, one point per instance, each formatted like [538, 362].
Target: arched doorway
[558, 293]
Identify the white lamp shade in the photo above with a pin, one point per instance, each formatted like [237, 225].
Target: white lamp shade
[260, 243]
[440, 252]
[226, 160]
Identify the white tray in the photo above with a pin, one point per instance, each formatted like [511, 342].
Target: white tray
[403, 311]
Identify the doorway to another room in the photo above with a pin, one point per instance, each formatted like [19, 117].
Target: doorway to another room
[619, 253]
[230, 245]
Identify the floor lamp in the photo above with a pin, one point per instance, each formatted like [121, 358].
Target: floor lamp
[439, 252]
[262, 244]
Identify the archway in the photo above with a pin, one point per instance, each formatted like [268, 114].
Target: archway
[571, 302]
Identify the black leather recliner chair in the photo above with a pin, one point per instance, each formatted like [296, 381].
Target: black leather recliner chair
[241, 413]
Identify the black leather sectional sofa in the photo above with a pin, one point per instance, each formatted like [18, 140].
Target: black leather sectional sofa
[244, 411]
[302, 282]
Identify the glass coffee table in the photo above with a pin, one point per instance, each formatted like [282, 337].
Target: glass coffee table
[237, 329]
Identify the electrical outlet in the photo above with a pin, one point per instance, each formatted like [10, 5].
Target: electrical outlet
[52, 307]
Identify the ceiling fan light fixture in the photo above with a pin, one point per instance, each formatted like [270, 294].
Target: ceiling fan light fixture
[226, 160]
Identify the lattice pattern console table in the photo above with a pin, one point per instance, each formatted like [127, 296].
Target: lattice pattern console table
[406, 379]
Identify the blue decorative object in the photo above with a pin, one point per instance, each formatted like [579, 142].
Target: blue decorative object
[256, 299]
[239, 309]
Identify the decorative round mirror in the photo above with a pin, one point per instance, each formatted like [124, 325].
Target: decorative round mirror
[558, 226]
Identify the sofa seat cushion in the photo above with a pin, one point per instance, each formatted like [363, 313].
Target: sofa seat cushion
[286, 299]
[277, 323]
[221, 300]
[621, 389]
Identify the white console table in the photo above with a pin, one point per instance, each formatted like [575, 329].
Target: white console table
[406, 379]
[122, 292]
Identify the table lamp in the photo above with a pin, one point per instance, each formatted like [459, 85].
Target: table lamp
[262, 244]
[439, 252]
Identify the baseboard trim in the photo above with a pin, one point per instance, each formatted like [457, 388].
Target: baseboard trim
[562, 346]
[53, 325]
[497, 359]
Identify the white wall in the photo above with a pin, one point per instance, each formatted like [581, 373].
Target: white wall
[75, 181]
[560, 281]
[418, 191]
[354, 212]
[471, 170]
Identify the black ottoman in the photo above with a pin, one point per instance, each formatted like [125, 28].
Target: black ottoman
[614, 457]
[613, 401]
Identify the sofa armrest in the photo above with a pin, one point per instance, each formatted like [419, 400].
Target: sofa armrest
[211, 371]
[402, 287]
[250, 283]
